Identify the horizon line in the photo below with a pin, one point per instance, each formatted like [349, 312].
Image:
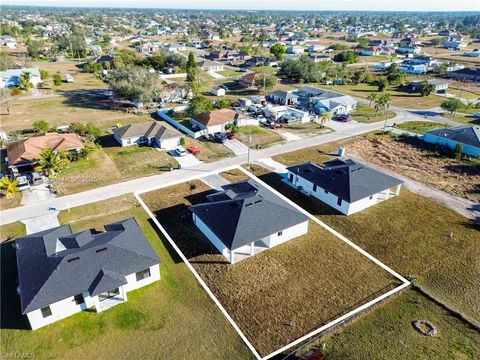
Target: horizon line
[229, 9]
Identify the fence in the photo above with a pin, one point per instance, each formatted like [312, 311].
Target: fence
[164, 116]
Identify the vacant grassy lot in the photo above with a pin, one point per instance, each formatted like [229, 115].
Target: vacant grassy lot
[64, 109]
[397, 96]
[366, 114]
[386, 332]
[209, 151]
[111, 163]
[306, 129]
[318, 276]
[82, 80]
[261, 137]
[414, 236]
[464, 94]
[170, 319]
[421, 127]
[229, 73]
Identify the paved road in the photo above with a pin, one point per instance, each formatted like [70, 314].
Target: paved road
[126, 187]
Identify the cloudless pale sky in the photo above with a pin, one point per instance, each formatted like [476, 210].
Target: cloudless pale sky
[383, 5]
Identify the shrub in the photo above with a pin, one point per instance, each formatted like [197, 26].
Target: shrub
[57, 79]
[458, 151]
[16, 91]
[182, 141]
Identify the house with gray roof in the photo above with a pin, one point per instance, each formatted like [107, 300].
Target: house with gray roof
[61, 273]
[327, 101]
[343, 184]
[467, 136]
[153, 133]
[246, 218]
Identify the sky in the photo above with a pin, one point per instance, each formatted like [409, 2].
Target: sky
[382, 5]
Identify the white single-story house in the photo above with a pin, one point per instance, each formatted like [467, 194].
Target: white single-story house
[246, 218]
[409, 49]
[208, 65]
[327, 101]
[316, 48]
[343, 184]
[61, 273]
[11, 77]
[441, 86]
[153, 133]
[215, 120]
[295, 49]
[282, 97]
[467, 136]
[218, 91]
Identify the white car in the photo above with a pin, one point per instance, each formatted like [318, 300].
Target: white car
[477, 115]
[180, 151]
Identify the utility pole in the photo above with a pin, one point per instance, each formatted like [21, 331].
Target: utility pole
[249, 146]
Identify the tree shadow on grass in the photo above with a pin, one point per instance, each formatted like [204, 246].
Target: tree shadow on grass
[10, 312]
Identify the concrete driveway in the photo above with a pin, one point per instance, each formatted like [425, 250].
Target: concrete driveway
[36, 194]
[215, 75]
[236, 146]
[215, 181]
[187, 161]
[41, 223]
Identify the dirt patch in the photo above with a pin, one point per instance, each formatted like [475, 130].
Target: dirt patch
[419, 161]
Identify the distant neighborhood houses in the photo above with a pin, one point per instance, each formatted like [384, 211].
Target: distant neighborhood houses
[151, 133]
[61, 273]
[245, 218]
[343, 184]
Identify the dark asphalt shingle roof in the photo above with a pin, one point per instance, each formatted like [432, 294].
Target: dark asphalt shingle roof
[56, 264]
[147, 129]
[345, 178]
[246, 212]
[469, 135]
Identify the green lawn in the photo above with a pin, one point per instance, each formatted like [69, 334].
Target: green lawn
[414, 236]
[366, 114]
[229, 73]
[261, 137]
[386, 333]
[468, 95]
[420, 127]
[170, 319]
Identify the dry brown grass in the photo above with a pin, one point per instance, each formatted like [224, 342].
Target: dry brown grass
[282, 293]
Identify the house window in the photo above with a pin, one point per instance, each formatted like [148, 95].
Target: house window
[314, 187]
[79, 299]
[143, 274]
[108, 294]
[46, 311]
[280, 233]
[290, 177]
[339, 201]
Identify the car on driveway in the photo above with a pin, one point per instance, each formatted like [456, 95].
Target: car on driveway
[220, 137]
[342, 118]
[194, 150]
[230, 135]
[180, 151]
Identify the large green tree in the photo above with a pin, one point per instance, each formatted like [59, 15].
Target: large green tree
[278, 50]
[135, 83]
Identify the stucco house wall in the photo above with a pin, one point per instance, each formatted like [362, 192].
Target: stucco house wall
[212, 237]
[467, 149]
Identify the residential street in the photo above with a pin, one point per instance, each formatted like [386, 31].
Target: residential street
[110, 191]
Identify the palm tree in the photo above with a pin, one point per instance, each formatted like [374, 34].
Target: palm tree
[50, 162]
[383, 103]
[324, 118]
[372, 98]
[25, 83]
[9, 186]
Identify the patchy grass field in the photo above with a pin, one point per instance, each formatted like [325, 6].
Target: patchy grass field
[12, 230]
[414, 236]
[318, 276]
[386, 332]
[7, 202]
[67, 108]
[420, 127]
[172, 318]
[111, 163]
[261, 137]
[209, 151]
[82, 80]
[397, 96]
[366, 114]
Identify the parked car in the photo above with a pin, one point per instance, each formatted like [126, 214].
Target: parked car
[180, 151]
[477, 115]
[230, 135]
[220, 137]
[194, 150]
[23, 182]
[275, 126]
[342, 118]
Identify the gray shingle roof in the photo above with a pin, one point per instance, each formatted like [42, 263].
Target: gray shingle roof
[469, 135]
[147, 129]
[345, 178]
[246, 212]
[56, 264]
